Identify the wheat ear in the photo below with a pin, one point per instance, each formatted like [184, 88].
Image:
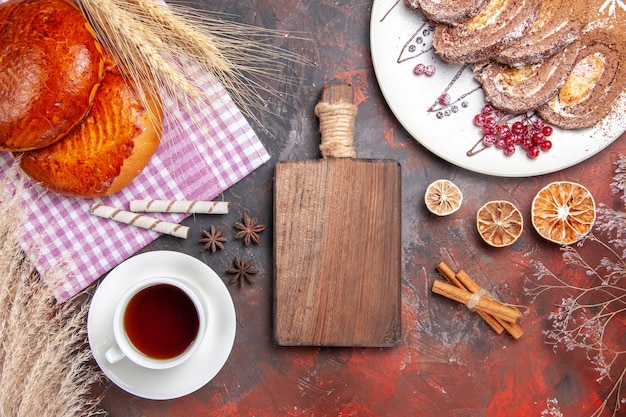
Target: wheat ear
[46, 367]
[187, 38]
[137, 49]
[157, 46]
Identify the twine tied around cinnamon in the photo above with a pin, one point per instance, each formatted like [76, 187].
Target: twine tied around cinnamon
[337, 129]
[475, 299]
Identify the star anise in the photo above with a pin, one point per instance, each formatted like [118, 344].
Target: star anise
[249, 230]
[242, 271]
[212, 240]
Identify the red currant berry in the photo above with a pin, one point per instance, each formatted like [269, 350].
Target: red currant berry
[487, 109]
[479, 119]
[489, 140]
[491, 122]
[488, 130]
[538, 124]
[430, 70]
[509, 140]
[508, 137]
[509, 149]
[546, 145]
[533, 151]
[547, 131]
[504, 130]
[518, 127]
[419, 69]
[537, 138]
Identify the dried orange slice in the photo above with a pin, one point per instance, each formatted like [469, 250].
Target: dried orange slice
[499, 223]
[563, 212]
[443, 197]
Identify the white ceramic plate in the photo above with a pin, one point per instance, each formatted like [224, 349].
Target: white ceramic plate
[211, 354]
[401, 39]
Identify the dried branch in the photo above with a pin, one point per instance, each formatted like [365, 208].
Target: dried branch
[591, 314]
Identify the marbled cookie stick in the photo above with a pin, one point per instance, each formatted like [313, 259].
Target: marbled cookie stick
[140, 220]
[167, 206]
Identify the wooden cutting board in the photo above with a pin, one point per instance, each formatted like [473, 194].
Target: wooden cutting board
[337, 240]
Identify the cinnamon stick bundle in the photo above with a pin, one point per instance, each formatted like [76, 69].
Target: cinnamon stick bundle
[464, 289]
[451, 277]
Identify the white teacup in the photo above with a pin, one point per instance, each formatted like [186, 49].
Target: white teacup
[158, 323]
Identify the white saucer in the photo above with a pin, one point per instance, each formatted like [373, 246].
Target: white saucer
[211, 354]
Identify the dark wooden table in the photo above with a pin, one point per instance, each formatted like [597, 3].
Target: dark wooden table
[449, 362]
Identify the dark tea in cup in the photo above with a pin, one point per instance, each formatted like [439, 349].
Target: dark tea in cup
[158, 323]
[161, 321]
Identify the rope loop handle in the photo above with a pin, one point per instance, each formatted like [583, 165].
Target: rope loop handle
[337, 129]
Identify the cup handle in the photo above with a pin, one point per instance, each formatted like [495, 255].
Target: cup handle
[114, 354]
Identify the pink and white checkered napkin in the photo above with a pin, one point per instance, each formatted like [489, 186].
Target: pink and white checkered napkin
[218, 150]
